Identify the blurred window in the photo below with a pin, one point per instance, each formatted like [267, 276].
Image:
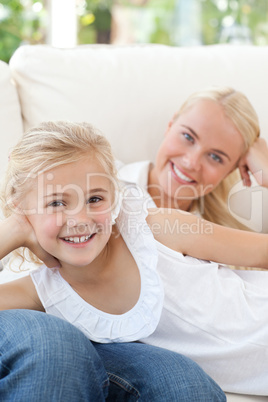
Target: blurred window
[65, 23]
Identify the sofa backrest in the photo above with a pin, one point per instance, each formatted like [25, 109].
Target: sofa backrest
[131, 93]
[11, 126]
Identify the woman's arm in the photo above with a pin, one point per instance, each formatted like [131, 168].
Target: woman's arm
[256, 162]
[199, 238]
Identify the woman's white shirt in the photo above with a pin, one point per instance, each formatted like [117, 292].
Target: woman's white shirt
[215, 315]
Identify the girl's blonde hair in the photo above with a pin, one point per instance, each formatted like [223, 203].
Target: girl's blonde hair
[48, 146]
[236, 106]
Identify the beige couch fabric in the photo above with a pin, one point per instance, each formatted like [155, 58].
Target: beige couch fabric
[10, 115]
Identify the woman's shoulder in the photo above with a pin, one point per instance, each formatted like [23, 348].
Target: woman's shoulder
[136, 172]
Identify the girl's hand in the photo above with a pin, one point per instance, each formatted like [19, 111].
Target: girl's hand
[256, 162]
[26, 238]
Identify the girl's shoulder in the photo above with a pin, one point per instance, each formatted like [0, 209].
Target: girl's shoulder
[132, 222]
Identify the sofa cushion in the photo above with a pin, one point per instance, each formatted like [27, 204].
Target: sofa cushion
[245, 398]
[10, 115]
[131, 92]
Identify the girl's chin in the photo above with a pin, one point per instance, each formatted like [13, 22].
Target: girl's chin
[75, 263]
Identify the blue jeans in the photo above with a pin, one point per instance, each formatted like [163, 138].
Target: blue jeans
[45, 359]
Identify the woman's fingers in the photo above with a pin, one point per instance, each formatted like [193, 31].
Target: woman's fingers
[244, 172]
[255, 161]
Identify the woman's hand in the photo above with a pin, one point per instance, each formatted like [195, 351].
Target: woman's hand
[256, 162]
[25, 237]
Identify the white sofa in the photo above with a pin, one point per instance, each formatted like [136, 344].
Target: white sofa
[130, 93]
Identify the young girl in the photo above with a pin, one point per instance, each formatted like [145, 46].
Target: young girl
[59, 199]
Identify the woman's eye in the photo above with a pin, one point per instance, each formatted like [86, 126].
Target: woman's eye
[56, 204]
[188, 137]
[216, 158]
[94, 200]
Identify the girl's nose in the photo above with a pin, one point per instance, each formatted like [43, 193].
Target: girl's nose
[77, 227]
[78, 217]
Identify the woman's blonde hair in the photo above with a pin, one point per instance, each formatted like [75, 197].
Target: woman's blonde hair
[48, 146]
[237, 108]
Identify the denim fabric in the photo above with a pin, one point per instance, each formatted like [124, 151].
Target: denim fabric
[45, 359]
[150, 374]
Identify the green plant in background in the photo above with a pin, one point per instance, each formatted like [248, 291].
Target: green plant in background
[163, 12]
[231, 21]
[235, 21]
[20, 22]
[205, 21]
[95, 21]
[161, 32]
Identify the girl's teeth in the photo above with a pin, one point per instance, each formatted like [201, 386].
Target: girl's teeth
[81, 239]
[181, 175]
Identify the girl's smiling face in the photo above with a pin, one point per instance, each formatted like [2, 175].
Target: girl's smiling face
[70, 211]
[201, 147]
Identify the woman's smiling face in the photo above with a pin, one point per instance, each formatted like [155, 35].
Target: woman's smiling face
[201, 147]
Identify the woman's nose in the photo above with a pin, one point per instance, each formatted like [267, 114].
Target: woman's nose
[191, 161]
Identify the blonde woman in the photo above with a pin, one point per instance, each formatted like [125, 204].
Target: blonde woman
[209, 144]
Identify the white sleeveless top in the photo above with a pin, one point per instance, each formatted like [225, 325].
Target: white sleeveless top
[59, 299]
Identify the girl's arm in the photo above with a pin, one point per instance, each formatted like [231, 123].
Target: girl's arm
[12, 235]
[16, 231]
[19, 294]
[198, 238]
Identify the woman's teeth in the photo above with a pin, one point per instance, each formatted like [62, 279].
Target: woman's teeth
[181, 175]
[81, 239]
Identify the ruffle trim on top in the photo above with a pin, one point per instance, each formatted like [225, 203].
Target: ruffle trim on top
[59, 298]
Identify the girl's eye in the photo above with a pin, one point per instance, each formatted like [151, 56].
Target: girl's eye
[188, 137]
[216, 158]
[94, 200]
[56, 204]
